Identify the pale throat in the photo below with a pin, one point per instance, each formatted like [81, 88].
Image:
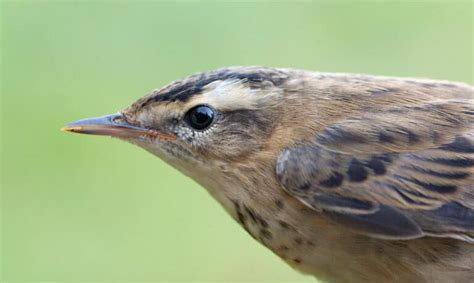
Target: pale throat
[256, 203]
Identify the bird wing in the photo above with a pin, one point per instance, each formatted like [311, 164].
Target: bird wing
[402, 174]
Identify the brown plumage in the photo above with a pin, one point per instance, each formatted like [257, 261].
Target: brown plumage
[351, 178]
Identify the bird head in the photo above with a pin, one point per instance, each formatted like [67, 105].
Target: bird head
[202, 122]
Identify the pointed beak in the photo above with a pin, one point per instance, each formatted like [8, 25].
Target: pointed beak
[116, 126]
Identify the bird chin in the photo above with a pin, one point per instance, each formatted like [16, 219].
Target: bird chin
[176, 155]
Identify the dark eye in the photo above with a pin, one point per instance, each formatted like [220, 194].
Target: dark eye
[200, 117]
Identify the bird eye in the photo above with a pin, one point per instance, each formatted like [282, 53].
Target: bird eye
[200, 117]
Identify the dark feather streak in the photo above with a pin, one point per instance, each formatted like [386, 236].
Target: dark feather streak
[356, 171]
[455, 162]
[460, 144]
[336, 201]
[439, 188]
[334, 181]
[376, 165]
[445, 175]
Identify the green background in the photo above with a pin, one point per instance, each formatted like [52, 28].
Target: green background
[77, 208]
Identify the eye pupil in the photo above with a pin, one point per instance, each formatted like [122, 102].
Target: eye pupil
[200, 117]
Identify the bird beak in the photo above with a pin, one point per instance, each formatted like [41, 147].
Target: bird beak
[116, 126]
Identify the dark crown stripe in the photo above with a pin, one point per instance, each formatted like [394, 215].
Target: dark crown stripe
[193, 85]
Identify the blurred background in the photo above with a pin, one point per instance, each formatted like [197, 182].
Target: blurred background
[76, 208]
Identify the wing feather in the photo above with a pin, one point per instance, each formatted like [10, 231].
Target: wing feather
[401, 174]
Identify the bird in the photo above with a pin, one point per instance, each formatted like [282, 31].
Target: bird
[346, 177]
